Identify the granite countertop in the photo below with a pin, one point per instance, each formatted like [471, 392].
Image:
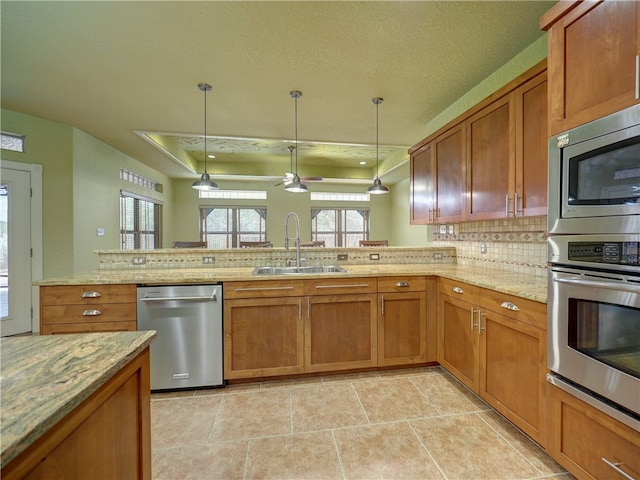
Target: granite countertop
[43, 378]
[513, 283]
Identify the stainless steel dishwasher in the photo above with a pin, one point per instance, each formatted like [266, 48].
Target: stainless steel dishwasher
[188, 319]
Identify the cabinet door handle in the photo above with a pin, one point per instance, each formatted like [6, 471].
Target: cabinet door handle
[473, 312]
[637, 77]
[480, 315]
[91, 313]
[507, 212]
[354, 285]
[510, 306]
[382, 304]
[457, 290]
[618, 469]
[91, 295]
[517, 212]
[402, 284]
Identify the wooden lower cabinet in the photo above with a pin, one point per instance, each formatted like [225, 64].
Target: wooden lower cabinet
[340, 332]
[106, 436]
[87, 308]
[500, 356]
[263, 337]
[583, 439]
[402, 321]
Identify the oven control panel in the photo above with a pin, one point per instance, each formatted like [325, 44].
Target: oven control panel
[611, 253]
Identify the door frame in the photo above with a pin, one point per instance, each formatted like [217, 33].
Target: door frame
[35, 171]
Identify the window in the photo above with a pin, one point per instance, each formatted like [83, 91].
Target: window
[226, 227]
[340, 227]
[11, 141]
[140, 222]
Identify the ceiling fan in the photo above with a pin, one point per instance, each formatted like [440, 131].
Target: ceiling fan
[288, 177]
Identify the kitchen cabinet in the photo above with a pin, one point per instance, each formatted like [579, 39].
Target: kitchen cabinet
[263, 329]
[402, 320]
[496, 345]
[87, 308]
[340, 324]
[593, 60]
[583, 439]
[491, 162]
[108, 435]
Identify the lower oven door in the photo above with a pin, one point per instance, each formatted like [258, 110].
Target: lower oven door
[594, 333]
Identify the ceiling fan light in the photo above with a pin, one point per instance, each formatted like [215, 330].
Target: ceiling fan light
[377, 188]
[296, 186]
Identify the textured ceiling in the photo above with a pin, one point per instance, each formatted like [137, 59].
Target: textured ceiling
[127, 74]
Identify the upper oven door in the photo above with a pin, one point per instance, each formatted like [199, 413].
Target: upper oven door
[601, 176]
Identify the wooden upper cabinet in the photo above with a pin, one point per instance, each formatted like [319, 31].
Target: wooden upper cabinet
[422, 189]
[530, 196]
[491, 160]
[449, 160]
[593, 60]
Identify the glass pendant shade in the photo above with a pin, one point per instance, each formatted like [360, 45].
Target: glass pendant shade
[205, 183]
[377, 188]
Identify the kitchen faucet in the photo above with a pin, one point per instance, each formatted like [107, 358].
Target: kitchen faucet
[297, 239]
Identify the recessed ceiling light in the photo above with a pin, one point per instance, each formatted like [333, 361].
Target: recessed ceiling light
[211, 155]
[363, 163]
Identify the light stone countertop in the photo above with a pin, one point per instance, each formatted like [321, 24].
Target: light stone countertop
[519, 284]
[43, 378]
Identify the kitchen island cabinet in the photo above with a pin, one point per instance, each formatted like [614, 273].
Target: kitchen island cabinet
[593, 60]
[78, 422]
[496, 345]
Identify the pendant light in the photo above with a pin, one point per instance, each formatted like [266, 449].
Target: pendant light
[205, 183]
[377, 188]
[296, 186]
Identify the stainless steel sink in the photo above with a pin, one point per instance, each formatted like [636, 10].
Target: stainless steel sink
[298, 270]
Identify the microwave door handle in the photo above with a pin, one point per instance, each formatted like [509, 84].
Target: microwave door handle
[592, 283]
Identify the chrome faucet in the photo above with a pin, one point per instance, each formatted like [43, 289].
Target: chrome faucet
[297, 239]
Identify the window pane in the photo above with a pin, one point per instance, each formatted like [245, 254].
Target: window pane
[226, 227]
[340, 227]
[140, 223]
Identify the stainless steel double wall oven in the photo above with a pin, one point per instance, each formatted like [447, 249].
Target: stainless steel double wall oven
[594, 255]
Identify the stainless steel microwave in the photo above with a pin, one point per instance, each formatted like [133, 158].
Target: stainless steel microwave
[594, 176]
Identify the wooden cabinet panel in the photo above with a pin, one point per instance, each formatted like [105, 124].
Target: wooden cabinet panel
[421, 195]
[263, 289]
[490, 160]
[512, 371]
[458, 341]
[402, 328]
[340, 332]
[449, 157]
[466, 292]
[87, 308]
[592, 60]
[580, 437]
[532, 152]
[263, 337]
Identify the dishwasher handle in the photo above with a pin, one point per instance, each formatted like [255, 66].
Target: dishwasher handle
[212, 298]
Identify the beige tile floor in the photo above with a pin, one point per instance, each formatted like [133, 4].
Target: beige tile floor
[402, 424]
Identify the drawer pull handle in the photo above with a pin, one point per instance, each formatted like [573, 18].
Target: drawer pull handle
[354, 285]
[402, 284]
[258, 289]
[91, 295]
[510, 306]
[91, 313]
[618, 469]
[457, 290]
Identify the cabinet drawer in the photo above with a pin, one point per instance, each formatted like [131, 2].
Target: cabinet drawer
[402, 284]
[60, 328]
[263, 289]
[528, 311]
[96, 313]
[87, 294]
[340, 286]
[463, 291]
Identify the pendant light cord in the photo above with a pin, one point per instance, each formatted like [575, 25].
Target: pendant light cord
[377, 141]
[296, 129]
[204, 90]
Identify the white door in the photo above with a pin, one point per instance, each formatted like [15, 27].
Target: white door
[15, 252]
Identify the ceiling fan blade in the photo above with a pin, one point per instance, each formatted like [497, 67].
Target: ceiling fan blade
[311, 179]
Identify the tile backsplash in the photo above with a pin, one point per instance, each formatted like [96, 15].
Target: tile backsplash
[517, 244]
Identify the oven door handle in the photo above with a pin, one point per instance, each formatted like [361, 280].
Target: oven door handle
[592, 283]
